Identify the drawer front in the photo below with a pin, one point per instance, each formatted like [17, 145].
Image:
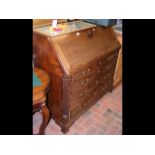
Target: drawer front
[96, 67]
[92, 82]
[85, 73]
[88, 99]
[93, 75]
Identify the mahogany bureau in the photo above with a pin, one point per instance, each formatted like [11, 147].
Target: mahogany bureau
[81, 67]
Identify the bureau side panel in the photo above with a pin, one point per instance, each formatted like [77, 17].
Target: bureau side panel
[45, 58]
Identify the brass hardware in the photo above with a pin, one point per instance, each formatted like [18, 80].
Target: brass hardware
[83, 72]
[97, 82]
[82, 82]
[108, 75]
[81, 94]
[99, 71]
[86, 91]
[111, 57]
[100, 62]
[108, 66]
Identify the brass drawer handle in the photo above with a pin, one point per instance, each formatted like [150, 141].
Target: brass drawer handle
[87, 79]
[86, 91]
[81, 94]
[99, 71]
[105, 86]
[108, 66]
[110, 57]
[97, 81]
[83, 72]
[108, 75]
[100, 63]
[105, 77]
[82, 82]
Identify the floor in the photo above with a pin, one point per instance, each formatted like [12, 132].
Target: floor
[104, 118]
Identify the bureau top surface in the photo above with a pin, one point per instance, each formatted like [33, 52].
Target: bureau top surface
[63, 28]
[76, 51]
[78, 47]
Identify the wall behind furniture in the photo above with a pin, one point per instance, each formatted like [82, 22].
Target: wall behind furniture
[38, 22]
[42, 22]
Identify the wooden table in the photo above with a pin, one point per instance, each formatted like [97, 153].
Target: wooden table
[39, 97]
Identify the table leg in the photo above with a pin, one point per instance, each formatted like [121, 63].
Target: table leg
[45, 115]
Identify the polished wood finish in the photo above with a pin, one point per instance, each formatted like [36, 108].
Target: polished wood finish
[81, 68]
[39, 98]
[118, 71]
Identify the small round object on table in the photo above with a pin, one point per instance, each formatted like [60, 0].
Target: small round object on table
[39, 97]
